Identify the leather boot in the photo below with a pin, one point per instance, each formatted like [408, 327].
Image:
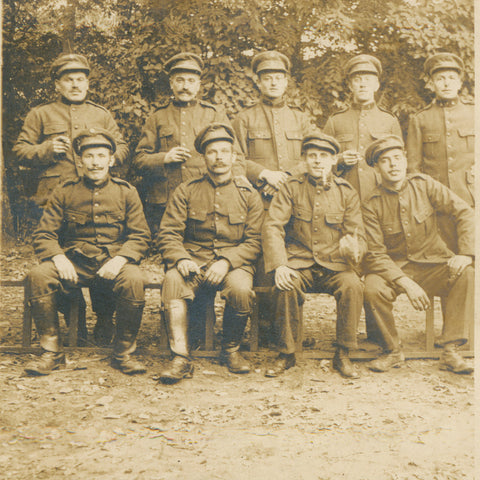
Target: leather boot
[176, 321]
[452, 361]
[343, 365]
[44, 312]
[104, 330]
[129, 318]
[234, 324]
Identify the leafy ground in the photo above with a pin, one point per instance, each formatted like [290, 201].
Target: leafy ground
[91, 422]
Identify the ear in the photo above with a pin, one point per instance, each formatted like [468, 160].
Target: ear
[377, 84]
[111, 163]
[56, 85]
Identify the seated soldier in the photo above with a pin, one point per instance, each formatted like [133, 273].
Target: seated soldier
[313, 238]
[209, 239]
[407, 255]
[92, 233]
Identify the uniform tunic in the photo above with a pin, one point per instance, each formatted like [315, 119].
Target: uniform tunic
[270, 135]
[355, 128]
[440, 143]
[302, 230]
[205, 222]
[403, 241]
[176, 124]
[34, 149]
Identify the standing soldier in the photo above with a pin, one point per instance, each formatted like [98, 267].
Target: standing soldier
[270, 134]
[210, 239]
[441, 137]
[165, 155]
[407, 255]
[92, 233]
[44, 149]
[355, 127]
[313, 238]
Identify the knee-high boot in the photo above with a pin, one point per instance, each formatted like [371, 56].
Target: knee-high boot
[234, 324]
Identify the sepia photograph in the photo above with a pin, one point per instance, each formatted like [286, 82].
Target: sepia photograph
[238, 240]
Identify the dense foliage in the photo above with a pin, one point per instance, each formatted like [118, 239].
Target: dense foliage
[128, 41]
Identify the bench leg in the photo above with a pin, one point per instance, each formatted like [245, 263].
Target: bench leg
[210, 320]
[73, 325]
[299, 342]
[164, 343]
[430, 327]
[254, 326]
[27, 320]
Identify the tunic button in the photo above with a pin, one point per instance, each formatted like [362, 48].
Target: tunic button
[318, 192]
[216, 205]
[97, 204]
[95, 193]
[315, 217]
[75, 127]
[408, 234]
[317, 204]
[217, 193]
[450, 170]
[183, 167]
[406, 222]
[315, 229]
[315, 242]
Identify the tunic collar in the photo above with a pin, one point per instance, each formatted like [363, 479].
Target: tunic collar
[65, 101]
[318, 182]
[363, 106]
[216, 185]
[180, 104]
[447, 103]
[274, 102]
[92, 186]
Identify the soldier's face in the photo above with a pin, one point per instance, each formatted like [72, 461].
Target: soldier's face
[363, 87]
[319, 162]
[219, 157]
[96, 162]
[446, 84]
[73, 86]
[272, 84]
[392, 167]
[185, 86]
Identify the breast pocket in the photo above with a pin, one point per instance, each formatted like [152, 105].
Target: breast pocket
[334, 220]
[195, 222]
[236, 221]
[467, 137]
[74, 221]
[259, 143]
[294, 141]
[392, 234]
[424, 221]
[431, 143]
[346, 141]
[302, 224]
[165, 138]
[116, 222]
[52, 130]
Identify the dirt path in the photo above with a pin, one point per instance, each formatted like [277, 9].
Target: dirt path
[96, 423]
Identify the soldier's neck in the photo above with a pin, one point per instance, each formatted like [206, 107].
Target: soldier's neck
[368, 105]
[274, 102]
[447, 102]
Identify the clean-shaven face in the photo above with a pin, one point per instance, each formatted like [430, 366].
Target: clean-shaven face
[392, 167]
[73, 86]
[319, 162]
[219, 157]
[446, 84]
[185, 86]
[96, 162]
[363, 87]
[272, 84]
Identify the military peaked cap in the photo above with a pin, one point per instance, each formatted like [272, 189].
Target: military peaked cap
[185, 61]
[270, 60]
[382, 145]
[70, 62]
[443, 61]
[363, 64]
[213, 133]
[320, 140]
[94, 137]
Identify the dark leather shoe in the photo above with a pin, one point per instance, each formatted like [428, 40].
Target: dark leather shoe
[128, 365]
[178, 368]
[344, 366]
[283, 362]
[47, 362]
[454, 362]
[387, 361]
[103, 332]
[234, 362]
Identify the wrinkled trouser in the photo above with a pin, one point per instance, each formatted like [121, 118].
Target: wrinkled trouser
[434, 279]
[346, 287]
[236, 289]
[127, 289]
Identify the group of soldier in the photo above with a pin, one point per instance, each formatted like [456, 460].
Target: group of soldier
[267, 200]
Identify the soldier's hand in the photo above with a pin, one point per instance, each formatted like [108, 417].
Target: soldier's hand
[416, 294]
[216, 272]
[284, 277]
[111, 269]
[61, 144]
[351, 157]
[349, 247]
[188, 267]
[273, 178]
[269, 191]
[457, 265]
[177, 155]
[65, 268]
